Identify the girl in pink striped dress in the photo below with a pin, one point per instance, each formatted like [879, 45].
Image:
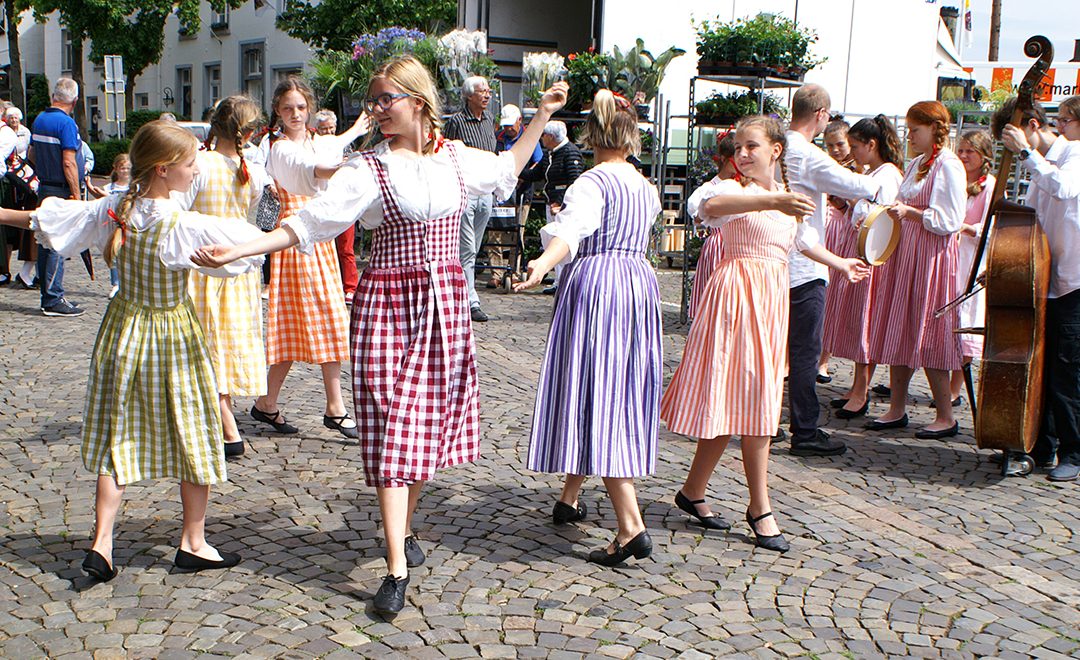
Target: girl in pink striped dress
[839, 149]
[713, 246]
[976, 151]
[731, 378]
[875, 146]
[920, 277]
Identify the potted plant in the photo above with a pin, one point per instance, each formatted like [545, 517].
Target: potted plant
[725, 109]
[458, 55]
[587, 73]
[637, 74]
[539, 71]
[765, 45]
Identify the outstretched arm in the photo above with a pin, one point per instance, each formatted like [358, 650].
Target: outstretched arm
[13, 218]
[216, 256]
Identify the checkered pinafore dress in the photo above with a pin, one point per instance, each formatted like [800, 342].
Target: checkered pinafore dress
[414, 369]
[151, 401]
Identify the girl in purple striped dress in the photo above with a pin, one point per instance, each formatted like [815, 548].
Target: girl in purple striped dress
[598, 400]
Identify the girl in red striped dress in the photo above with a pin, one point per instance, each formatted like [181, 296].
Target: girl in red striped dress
[920, 277]
[713, 246]
[839, 149]
[731, 378]
[876, 147]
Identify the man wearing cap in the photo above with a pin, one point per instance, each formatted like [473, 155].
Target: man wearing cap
[511, 128]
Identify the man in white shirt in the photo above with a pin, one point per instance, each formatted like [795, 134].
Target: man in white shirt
[812, 172]
[1054, 193]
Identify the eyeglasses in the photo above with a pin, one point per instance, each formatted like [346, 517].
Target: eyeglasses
[1062, 121]
[382, 101]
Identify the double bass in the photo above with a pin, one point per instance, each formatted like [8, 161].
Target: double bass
[1017, 281]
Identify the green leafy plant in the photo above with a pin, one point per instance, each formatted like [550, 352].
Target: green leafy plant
[767, 40]
[105, 153]
[136, 119]
[727, 108]
[587, 73]
[637, 74]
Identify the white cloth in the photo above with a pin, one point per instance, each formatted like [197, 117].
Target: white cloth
[888, 177]
[806, 235]
[258, 179]
[948, 199]
[9, 142]
[582, 212]
[813, 172]
[71, 226]
[423, 187]
[1054, 193]
[704, 192]
[292, 164]
[331, 147]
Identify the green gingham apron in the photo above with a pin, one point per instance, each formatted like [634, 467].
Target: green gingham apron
[151, 404]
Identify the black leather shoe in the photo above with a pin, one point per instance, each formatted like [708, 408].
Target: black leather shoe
[337, 423]
[844, 413]
[780, 436]
[881, 390]
[823, 379]
[957, 402]
[273, 419]
[478, 315]
[390, 597]
[98, 567]
[563, 513]
[820, 445]
[936, 435]
[414, 554]
[838, 403]
[639, 547]
[776, 543]
[186, 561]
[875, 425]
[234, 449]
[708, 522]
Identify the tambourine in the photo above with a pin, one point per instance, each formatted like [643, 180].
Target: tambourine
[878, 236]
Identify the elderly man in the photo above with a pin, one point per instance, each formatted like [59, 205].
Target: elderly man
[561, 166]
[476, 128]
[56, 152]
[510, 122]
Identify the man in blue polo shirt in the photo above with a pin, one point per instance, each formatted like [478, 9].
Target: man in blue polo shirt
[56, 151]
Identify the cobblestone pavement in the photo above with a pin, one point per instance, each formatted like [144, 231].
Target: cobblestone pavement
[901, 547]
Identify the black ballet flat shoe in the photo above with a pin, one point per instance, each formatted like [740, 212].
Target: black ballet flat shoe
[838, 403]
[273, 419]
[881, 390]
[390, 597]
[937, 435]
[708, 522]
[336, 423]
[875, 425]
[844, 413]
[823, 379]
[414, 554]
[97, 567]
[189, 562]
[776, 543]
[563, 513]
[639, 547]
[234, 449]
[958, 401]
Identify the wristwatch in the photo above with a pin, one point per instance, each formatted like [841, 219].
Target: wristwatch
[1024, 154]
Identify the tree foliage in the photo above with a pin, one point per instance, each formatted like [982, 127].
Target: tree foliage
[333, 24]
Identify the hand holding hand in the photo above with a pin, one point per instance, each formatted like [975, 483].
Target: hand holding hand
[555, 97]
[214, 256]
[795, 204]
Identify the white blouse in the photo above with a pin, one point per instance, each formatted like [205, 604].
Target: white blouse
[806, 235]
[698, 198]
[71, 226]
[582, 211]
[424, 188]
[948, 199]
[889, 177]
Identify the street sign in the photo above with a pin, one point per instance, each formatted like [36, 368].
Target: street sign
[115, 106]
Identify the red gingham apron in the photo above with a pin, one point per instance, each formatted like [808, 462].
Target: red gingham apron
[414, 369]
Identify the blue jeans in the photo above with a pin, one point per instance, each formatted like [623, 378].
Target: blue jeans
[474, 222]
[50, 265]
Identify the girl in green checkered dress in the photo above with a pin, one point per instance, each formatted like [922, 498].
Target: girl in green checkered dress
[151, 409]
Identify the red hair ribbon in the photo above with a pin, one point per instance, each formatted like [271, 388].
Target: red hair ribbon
[119, 223]
[439, 142]
[245, 176]
[621, 101]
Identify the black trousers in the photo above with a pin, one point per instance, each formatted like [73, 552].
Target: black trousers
[1060, 430]
[804, 351]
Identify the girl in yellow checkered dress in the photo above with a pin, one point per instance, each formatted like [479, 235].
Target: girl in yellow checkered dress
[151, 408]
[229, 309]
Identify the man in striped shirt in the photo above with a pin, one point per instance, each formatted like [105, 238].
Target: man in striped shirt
[474, 126]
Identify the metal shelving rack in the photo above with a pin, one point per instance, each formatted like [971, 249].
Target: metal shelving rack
[758, 84]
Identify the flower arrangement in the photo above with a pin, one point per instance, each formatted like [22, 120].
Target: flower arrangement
[538, 72]
[768, 44]
[462, 53]
[725, 109]
[587, 73]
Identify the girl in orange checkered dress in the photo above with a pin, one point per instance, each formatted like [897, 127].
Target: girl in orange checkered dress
[307, 320]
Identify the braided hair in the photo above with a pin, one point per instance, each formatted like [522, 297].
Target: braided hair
[157, 143]
[774, 133]
[980, 142]
[935, 115]
[234, 118]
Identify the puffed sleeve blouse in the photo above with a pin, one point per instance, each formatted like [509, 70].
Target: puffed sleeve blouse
[889, 176]
[424, 188]
[948, 198]
[806, 237]
[71, 226]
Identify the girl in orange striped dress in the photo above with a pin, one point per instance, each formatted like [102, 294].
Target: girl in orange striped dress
[307, 320]
[730, 381]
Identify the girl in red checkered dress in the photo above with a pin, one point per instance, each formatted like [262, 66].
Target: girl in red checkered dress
[414, 373]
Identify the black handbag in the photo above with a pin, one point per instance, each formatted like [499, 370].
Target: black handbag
[266, 216]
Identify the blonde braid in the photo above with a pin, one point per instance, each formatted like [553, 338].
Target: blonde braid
[242, 174]
[123, 214]
[783, 172]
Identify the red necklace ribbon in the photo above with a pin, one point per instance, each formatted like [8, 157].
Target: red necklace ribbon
[119, 223]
